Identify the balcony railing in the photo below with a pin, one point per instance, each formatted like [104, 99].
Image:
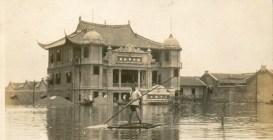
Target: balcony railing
[128, 85]
[115, 85]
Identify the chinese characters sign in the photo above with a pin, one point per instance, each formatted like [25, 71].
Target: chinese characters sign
[129, 59]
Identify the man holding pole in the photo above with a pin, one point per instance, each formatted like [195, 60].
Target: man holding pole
[134, 106]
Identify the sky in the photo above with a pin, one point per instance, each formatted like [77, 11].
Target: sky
[222, 36]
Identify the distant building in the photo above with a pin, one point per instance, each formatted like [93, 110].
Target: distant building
[224, 86]
[245, 87]
[260, 84]
[22, 93]
[192, 87]
[106, 60]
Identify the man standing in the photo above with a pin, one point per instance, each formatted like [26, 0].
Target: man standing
[134, 107]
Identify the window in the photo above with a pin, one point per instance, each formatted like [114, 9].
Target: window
[51, 79]
[210, 89]
[67, 98]
[58, 56]
[176, 72]
[155, 55]
[181, 91]
[80, 97]
[104, 50]
[68, 77]
[96, 70]
[86, 52]
[193, 91]
[154, 77]
[95, 94]
[104, 94]
[51, 58]
[57, 78]
[115, 75]
[167, 55]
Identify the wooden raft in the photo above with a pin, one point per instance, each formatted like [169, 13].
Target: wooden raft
[135, 126]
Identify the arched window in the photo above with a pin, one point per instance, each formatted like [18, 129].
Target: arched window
[50, 79]
[68, 77]
[51, 56]
[58, 55]
[58, 78]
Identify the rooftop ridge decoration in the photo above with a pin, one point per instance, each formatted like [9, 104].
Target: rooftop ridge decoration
[129, 48]
[102, 25]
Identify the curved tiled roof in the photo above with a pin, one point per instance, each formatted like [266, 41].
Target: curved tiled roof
[113, 35]
[53, 44]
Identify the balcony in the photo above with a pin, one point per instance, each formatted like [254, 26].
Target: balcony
[128, 84]
[156, 64]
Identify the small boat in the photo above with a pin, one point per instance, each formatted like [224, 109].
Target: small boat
[134, 126]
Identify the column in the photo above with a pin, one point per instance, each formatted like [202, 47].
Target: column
[119, 97]
[149, 78]
[109, 77]
[110, 96]
[119, 78]
[82, 52]
[138, 78]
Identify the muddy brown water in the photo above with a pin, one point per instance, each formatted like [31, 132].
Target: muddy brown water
[242, 121]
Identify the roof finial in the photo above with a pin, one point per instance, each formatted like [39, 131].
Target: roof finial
[104, 22]
[65, 33]
[171, 25]
[129, 32]
[92, 15]
[80, 18]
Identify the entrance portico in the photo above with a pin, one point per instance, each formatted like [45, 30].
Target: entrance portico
[129, 77]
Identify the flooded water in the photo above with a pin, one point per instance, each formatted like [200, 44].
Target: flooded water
[242, 121]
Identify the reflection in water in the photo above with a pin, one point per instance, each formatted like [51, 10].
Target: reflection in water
[242, 121]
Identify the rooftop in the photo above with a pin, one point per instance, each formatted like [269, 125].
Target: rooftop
[228, 78]
[112, 35]
[191, 81]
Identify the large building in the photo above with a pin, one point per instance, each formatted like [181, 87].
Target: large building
[106, 60]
